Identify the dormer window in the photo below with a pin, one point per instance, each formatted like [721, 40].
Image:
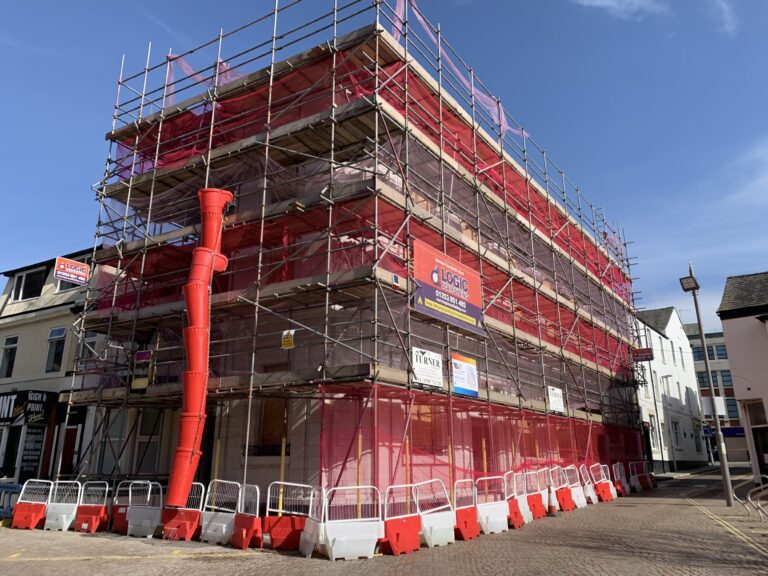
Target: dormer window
[29, 284]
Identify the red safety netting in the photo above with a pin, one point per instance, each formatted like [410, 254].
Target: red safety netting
[384, 436]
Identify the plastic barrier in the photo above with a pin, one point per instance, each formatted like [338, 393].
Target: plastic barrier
[521, 495]
[559, 484]
[119, 511]
[184, 523]
[514, 515]
[638, 479]
[62, 505]
[438, 518]
[620, 479]
[9, 494]
[601, 482]
[247, 526]
[352, 522]
[648, 469]
[465, 504]
[92, 513]
[492, 508]
[288, 506]
[551, 506]
[611, 484]
[589, 487]
[402, 521]
[574, 483]
[533, 492]
[29, 511]
[217, 520]
[145, 505]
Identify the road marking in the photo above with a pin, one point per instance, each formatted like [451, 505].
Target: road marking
[175, 555]
[731, 528]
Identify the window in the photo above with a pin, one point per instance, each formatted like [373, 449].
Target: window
[714, 378]
[672, 348]
[676, 433]
[710, 352]
[732, 408]
[698, 353]
[725, 378]
[271, 430]
[57, 337]
[697, 436]
[663, 351]
[112, 442]
[9, 356]
[88, 345]
[679, 391]
[63, 285]
[682, 358]
[148, 441]
[28, 285]
[654, 440]
[722, 353]
[701, 378]
[663, 433]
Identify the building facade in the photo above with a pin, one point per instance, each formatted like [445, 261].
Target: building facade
[722, 379]
[669, 399]
[39, 348]
[410, 292]
[743, 311]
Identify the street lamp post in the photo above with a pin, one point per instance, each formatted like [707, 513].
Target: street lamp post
[690, 284]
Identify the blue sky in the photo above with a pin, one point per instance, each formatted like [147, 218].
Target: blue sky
[656, 108]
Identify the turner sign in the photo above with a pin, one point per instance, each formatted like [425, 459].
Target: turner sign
[71, 271]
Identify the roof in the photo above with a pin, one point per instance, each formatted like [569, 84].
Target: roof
[744, 295]
[47, 263]
[657, 318]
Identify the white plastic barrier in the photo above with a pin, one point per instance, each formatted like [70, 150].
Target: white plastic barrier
[145, 505]
[352, 522]
[313, 536]
[589, 488]
[218, 517]
[492, 508]
[521, 493]
[636, 469]
[438, 518]
[620, 474]
[577, 490]
[62, 506]
[607, 474]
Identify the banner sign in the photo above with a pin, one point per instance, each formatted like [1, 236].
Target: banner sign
[464, 375]
[446, 289]
[642, 354]
[427, 367]
[287, 341]
[555, 397]
[26, 407]
[71, 271]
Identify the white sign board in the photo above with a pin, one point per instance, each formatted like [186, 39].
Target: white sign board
[464, 375]
[707, 404]
[555, 397]
[427, 367]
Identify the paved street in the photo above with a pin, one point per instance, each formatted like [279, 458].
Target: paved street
[681, 528]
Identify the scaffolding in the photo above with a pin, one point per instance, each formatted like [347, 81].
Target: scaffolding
[350, 132]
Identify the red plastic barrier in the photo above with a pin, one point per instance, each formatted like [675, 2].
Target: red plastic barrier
[565, 499]
[28, 515]
[603, 491]
[537, 506]
[91, 518]
[284, 531]
[515, 517]
[120, 519]
[653, 480]
[619, 485]
[247, 532]
[645, 482]
[180, 524]
[206, 260]
[401, 535]
[467, 527]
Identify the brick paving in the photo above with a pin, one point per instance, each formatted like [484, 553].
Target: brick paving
[681, 528]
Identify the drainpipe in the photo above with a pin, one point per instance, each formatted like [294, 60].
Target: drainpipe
[206, 260]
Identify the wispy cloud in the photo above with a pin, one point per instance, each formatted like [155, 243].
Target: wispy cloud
[183, 40]
[724, 12]
[627, 8]
[750, 175]
[12, 43]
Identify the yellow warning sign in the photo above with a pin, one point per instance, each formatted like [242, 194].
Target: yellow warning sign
[287, 341]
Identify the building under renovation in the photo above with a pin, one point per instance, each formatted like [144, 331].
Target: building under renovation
[414, 289]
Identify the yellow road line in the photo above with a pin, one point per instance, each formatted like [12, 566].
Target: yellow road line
[175, 555]
[731, 528]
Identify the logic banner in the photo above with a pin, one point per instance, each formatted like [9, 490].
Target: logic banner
[446, 289]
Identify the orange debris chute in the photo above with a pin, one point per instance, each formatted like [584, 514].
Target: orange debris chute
[206, 260]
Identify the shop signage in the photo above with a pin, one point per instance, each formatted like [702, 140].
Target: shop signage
[464, 375]
[427, 367]
[446, 289]
[26, 407]
[642, 354]
[71, 271]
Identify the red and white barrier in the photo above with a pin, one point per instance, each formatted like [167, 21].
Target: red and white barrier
[601, 482]
[184, 523]
[438, 518]
[62, 505]
[620, 479]
[217, 521]
[29, 511]
[492, 508]
[521, 495]
[514, 515]
[119, 511]
[93, 513]
[577, 488]
[611, 484]
[247, 529]
[559, 484]
[465, 505]
[402, 522]
[288, 507]
[589, 487]
[533, 492]
[351, 522]
[639, 479]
